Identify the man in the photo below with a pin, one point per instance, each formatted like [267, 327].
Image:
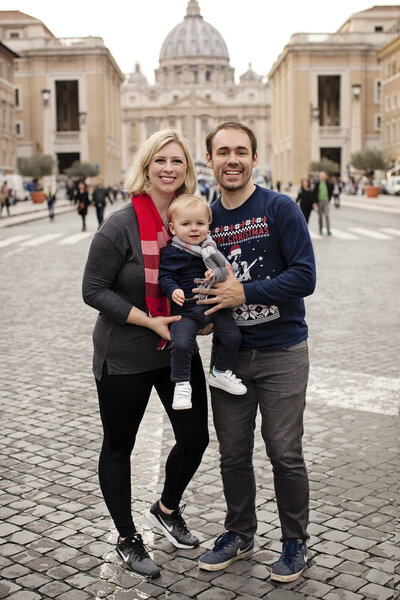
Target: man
[275, 244]
[322, 195]
[100, 193]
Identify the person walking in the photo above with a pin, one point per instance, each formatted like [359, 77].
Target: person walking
[305, 198]
[4, 199]
[50, 199]
[273, 359]
[322, 195]
[99, 195]
[130, 346]
[81, 199]
[336, 192]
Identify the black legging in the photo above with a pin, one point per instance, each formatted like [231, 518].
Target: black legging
[123, 400]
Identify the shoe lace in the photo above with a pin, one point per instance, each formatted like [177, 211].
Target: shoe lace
[179, 521]
[140, 548]
[224, 540]
[289, 552]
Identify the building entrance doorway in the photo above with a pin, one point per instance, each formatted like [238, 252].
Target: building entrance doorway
[66, 159]
[334, 154]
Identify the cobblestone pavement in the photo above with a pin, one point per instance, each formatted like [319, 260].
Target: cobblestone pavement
[56, 539]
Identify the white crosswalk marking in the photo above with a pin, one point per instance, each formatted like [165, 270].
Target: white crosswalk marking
[343, 235]
[42, 239]
[13, 240]
[390, 231]
[315, 236]
[372, 233]
[77, 237]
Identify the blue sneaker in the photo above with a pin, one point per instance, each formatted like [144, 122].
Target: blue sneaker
[228, 547]
[292, 561]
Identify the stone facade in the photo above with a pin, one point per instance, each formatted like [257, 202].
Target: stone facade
[8, 158]
[325, 94]
[79, 116]
[389, 58]
[194, 91]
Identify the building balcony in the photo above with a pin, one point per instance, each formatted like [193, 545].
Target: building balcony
[328, 131]
[66, 138]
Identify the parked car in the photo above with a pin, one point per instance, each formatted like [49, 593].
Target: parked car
[16, 184]
[393, 185]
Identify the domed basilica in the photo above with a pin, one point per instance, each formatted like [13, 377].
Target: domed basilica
[194, 91]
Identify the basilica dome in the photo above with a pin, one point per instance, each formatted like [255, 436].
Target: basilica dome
[193, 38]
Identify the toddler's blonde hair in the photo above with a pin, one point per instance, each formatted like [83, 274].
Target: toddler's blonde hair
[184, 201]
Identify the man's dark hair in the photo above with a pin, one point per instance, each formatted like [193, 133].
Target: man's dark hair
[231, 125]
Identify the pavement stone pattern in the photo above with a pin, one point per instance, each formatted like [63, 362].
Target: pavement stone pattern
[56, 538]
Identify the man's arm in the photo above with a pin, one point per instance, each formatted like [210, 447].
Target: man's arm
[296, 281]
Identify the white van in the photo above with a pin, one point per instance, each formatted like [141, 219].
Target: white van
[15, 183]
[393, 185]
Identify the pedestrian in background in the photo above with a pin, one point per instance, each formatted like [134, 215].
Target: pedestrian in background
[273, 360]
[50, 199]
[322, 195]
[121, 282]
[306, 199]
[81, 199]
[99, 195]
[336, 192]
[4, 199]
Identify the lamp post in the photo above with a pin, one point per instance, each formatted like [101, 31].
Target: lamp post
[356, 138]
[83, 137]
[314, 150]
[49, 180]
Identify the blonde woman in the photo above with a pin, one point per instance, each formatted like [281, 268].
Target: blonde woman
[131, 354]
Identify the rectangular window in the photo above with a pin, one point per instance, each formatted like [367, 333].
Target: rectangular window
[67, 106]
[19, 129]
[394, 133]
[378, 122]
[329, 100]
[378, 91]
[14, 35]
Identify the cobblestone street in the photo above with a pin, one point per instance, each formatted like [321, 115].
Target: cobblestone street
[56, 538]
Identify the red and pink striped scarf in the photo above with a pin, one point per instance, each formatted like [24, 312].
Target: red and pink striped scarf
[153, 237]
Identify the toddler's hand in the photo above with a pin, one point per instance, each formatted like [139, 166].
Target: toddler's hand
[208, 275]
[178, 296]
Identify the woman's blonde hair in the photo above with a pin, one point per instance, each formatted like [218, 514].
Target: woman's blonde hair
[137, 181]
[187, 201]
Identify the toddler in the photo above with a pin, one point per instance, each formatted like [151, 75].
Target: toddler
[181, 263]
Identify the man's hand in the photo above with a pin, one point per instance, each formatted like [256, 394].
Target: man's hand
[178, 296]
[226, 294]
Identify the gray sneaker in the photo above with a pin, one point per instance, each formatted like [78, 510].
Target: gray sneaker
[173, 526]
[134, 554]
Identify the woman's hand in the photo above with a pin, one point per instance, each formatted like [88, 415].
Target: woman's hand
[160, 325]
[226, 294]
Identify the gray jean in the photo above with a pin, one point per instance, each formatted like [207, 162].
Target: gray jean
[276, 383]
[323, 211]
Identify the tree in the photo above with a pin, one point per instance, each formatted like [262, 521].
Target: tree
[369, 161]
[37, 165]
[81, 170]
[325, 164]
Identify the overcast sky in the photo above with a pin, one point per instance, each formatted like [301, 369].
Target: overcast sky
[255, 31]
